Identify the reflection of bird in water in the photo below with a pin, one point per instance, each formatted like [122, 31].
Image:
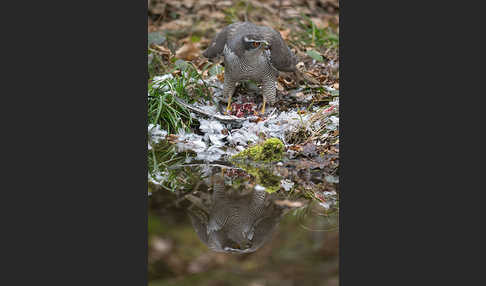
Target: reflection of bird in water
[237, 222]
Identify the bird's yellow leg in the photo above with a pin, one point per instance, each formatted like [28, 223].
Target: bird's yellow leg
[228, 108]
[263, 107]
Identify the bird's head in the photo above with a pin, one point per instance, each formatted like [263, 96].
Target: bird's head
[254, 44]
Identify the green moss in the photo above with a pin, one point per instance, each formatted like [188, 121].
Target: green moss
[270, 151]
[272, 189]
[263, 176]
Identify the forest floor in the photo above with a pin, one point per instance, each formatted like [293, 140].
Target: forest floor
[187, 124]
[306, 114]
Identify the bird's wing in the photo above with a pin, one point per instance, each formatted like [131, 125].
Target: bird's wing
[216, 46]
[199, 220]
[282, 57]
[262, 230]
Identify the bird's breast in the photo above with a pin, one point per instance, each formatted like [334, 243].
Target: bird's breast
[248, 69]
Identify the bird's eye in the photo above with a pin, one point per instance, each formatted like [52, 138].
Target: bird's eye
[255, 44]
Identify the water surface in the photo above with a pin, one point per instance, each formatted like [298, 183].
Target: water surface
[245, 224]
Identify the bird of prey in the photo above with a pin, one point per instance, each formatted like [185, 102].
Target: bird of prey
[251, 52]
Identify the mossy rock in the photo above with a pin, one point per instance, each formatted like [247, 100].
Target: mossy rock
[269, 151]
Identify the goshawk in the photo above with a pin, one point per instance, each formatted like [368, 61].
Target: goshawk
[251, 52]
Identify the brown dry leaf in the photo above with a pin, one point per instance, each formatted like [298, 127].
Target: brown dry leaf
[225, 4]
[267, 23]
[198, 62]
[286, 81]
[151, 26]
[220, 76]
[304, 10]
[156, 8]
[188, 51]
[204, 42]
[188, 3]
[162, 49]
[217, 15]
[205, 74]
[300, 66]
[202, 63]
[320, 23]
[315, 77]
[289, 12]
[176, 25]
[204, 13]
[202, 3]
[172, 138]
[265, 7]
[296, 148]
[285, 34]
[299, 94]
[290, 204]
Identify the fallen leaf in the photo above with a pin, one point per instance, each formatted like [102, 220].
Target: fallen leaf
[300, 66]
[217, 15]
[188, 3]
[188, 51]
[285, 34]
[287, 81]
[220, 77]
[296, 148]
[320, 23]
[162, 49]
[178, 24]
[172, 138]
